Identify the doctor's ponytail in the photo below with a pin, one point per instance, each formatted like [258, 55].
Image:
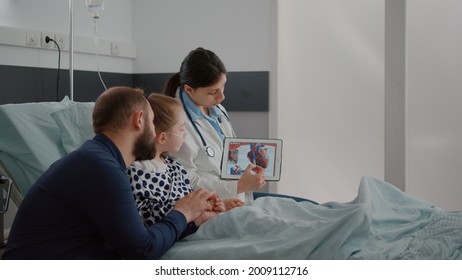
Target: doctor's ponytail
[171, 85]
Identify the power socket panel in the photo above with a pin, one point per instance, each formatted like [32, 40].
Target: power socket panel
[33, 38]
[50, 44]
[115, 48]
[60, 39]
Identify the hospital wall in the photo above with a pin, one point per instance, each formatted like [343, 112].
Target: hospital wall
[433, 99]
[53, 16]
[327, 80]
[370, 88]
[330, 96]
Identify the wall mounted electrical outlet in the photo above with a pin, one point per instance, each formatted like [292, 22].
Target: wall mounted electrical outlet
[32, 38]
[50, 43]
[115, 48]
[60, 39]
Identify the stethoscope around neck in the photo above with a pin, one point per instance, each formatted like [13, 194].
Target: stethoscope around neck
[209, 151]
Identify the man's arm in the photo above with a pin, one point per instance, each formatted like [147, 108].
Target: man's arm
[111, 208]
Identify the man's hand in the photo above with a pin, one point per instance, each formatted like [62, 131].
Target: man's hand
[204, 217]
[217, 205]
[193, 204]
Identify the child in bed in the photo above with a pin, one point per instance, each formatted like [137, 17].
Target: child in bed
[158, 183]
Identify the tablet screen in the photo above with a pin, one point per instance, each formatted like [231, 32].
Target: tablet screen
[238, 153]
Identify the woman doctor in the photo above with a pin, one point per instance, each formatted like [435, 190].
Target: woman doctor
[200, 87]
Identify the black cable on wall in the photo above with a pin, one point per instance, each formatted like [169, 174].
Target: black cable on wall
[47, 40]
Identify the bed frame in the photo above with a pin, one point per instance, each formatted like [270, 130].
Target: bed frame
[6, 183]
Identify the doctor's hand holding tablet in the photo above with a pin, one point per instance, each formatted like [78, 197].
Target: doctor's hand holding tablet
[252, 179]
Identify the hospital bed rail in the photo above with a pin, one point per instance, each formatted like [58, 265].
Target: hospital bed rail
[7, 183]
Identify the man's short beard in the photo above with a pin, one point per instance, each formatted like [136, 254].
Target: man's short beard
[144, 148]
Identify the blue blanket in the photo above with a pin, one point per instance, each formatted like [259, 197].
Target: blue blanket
[382, 222]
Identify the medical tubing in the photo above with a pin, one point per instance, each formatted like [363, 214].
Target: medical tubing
[97, 62]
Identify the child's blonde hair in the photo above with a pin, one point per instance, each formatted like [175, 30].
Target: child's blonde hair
[165, 109]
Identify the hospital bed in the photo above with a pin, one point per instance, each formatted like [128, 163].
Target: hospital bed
[382, 222]
[34, 135]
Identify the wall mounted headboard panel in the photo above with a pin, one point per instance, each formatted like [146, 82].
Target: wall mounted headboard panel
[31, 84]
[245, 91]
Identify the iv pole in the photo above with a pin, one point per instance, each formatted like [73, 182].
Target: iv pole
[71, 49]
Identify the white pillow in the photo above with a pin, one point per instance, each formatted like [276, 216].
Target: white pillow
[75, 124]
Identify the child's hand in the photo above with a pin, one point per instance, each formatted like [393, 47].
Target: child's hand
[231, 203]
[219, 206]
[216, 203]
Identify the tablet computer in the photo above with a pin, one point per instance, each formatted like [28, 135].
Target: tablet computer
[238, 153]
